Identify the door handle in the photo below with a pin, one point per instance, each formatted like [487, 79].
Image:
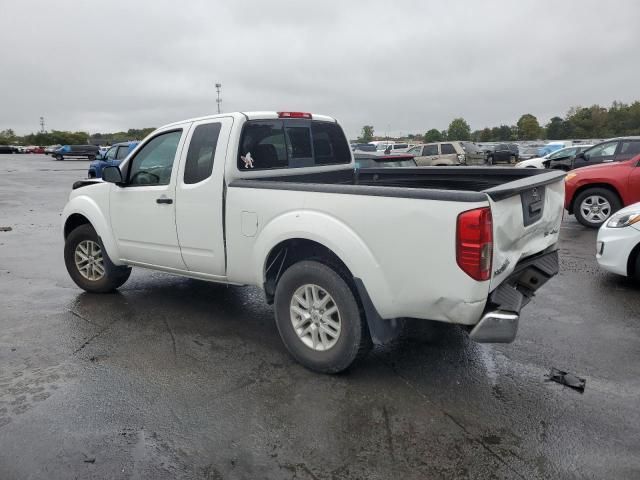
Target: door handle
[164, 200]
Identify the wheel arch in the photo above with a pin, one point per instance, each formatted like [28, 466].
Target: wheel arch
[587, 186]
[632, 262]
[83, 210]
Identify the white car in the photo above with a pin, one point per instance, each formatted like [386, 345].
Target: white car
[273, 199]
[542, 162]
[618, 247]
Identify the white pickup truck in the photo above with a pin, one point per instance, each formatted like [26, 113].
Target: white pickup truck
[274, 199]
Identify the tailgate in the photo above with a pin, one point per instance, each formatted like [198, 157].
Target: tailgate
[527, 214]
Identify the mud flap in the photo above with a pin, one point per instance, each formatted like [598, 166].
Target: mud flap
[382, 331]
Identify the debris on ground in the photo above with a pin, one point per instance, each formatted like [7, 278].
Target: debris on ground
[90, 460]
[568, 379]
[5, 229]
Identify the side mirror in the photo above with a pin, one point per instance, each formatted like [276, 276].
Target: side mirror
[112, 174]
[580, 156]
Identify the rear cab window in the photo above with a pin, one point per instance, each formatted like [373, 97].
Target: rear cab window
[291, 143]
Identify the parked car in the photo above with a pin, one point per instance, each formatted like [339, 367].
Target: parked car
[112, 157]
[363, 147]
[439, 154]
[614, 150]
[596, 192]
[76, 151]
[555, 160]
[618, 246]
[503, 153]
[51, 149]
[364, 160]
[390, 148]
[274, 200]
[551, 147]
[6, 149]
[34, 149]
[473, 153]
[528, 153]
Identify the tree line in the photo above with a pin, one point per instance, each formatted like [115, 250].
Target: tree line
[620, 119]
[61, 137]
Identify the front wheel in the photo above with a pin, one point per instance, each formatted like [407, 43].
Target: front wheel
[58, 157]
[594, 206]
[319, 319]
[88, 263]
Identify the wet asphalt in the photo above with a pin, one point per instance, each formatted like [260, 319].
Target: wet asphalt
[177, 378]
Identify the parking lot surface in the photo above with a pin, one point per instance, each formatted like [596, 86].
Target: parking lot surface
[177, 378]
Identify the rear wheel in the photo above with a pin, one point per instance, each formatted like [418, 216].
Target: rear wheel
[319, 319]
[594, 206]
[88, 263]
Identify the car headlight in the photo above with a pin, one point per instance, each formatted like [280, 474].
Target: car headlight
[570, 176]
[620, 220]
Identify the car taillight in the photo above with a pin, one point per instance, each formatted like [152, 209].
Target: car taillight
[294, 115]
[474, 243]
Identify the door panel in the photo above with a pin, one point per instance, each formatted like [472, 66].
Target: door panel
[199, 206]
[143, 211]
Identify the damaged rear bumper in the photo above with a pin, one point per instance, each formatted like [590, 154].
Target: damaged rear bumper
[499, 323]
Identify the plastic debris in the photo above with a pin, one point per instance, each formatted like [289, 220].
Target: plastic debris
[568, 379]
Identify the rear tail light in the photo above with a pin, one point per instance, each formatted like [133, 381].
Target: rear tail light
[294, 115]
[474, 243]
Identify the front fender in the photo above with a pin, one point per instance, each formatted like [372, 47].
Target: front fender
[329, 232]
[94, 211]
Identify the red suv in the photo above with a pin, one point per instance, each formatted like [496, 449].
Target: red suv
[594, 193]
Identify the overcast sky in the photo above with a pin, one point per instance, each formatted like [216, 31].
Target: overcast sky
[402, 66]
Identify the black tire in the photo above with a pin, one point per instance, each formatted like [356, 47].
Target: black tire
[611, 197]
[353, 341]
[113, 277]
[636, 270]
[58, 157]
[92, 157]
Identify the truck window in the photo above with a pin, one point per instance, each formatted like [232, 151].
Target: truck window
[122, 152]
[111, 153]
[263, 144]
[330, 146]
[447, 149]
[299, 142]
[153, 163]
[202, 151]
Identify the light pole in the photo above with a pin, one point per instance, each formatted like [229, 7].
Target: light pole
[218, 99]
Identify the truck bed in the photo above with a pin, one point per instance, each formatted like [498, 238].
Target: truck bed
[438, 183]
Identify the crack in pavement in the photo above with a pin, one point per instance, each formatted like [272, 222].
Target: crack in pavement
[75, 314]
[91, 339]
[455, 421]
[173, 338]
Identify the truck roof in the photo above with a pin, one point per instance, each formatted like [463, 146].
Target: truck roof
[266, 115]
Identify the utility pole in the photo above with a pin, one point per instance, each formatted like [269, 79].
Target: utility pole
[42, 130]
[218, 100]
